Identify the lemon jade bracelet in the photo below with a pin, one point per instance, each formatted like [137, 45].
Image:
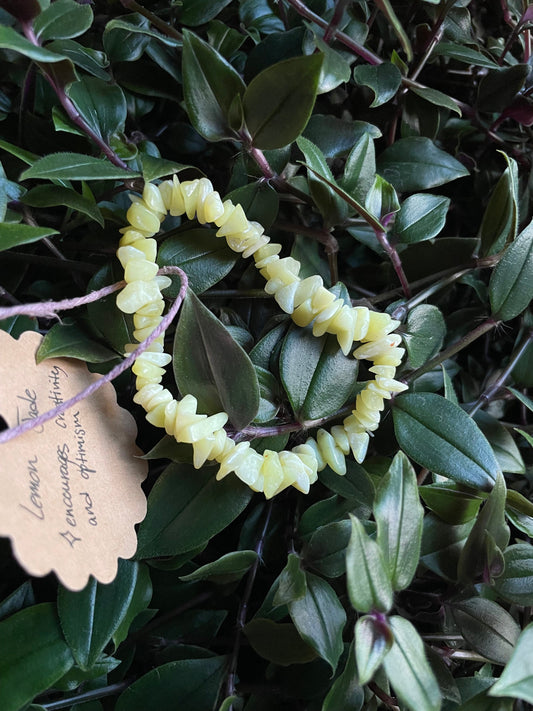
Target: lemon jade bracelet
[306, 300]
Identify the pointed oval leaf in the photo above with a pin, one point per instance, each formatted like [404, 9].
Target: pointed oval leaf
[76, 166]
[415, 163]
[15, 235]
[186, 508]
[384, 80]
[346, 691]
[368, 582]
[52, 195]
[326, 550]
[212, 366]
[278, 642]
[33, 655]
[69, 340]
[102, 105]
[10, 39]
[373, 640]
[500, 219]
[319, 618]
[64, 19]
[90, 617]
[421, 217]
[292, 582]
[516, 582]
[424, 335]
[210, 84]
[197, 12]
[191, 684]
[399, 517]
[487, 627]
[436, 97]
[408, 670]
[228, 568]
[279, 100]
[517, 677]
[511, 283]
[440, 436]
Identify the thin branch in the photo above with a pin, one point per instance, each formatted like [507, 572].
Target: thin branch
[156, 21]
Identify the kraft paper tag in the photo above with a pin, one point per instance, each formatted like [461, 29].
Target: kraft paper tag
[70, 490]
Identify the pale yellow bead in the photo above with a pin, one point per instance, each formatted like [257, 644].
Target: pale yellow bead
[136, 295]
[295, 472]
[148, 246]
[359, 445]
[308, 457]
[204, 189]
[152, 198]
[341, 440]
[235, 221]
[156, 416]
[325, 317]
[160, 359]
[208, 448]
[140, 217]
[285, 269]
[343, 325]
[205, 428]
[229, 446]
[144, 395]
[285, 296]
[386, 371]
[392, 357]
[146, 369]
[321, 299]
[128, 254]
[182, 424]
[141, 334]
[255, 246]
[172, 196]
[162, 282]
[379, 326]
[374, 387]
[233, 459]
[141, 381]
[369, 351]
[248, 469]
[140, 270]
[241, 241]
[272, 249]
[372, 400]
[213, 207]
[362, 321]
[154, 308]
[321, 464]
[140, 321]
[171, 411]
[272, 473]
[222, 441]
[393, 386]
[330, 452]
[130, 236]
[303, 314]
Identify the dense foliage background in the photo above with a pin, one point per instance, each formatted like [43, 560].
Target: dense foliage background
[388, 146]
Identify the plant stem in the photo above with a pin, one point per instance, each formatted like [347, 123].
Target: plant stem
[156, 21]
[389, 702]
[336, 20]
[456, 347]
[441, 284]
[91, 695]
[488, 394]
[395, 260]
[243, 607]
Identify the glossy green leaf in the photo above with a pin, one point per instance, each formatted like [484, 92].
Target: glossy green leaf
[186, 508]
[424, 333]
[360, 168]
[415, 163]
[499, 86]
[450, 502]
[320, 618]
[102, 105]
[140, 599]
[384, 80]
[463, 53]
[382, 200]
[356, 484]
[500, 219]
[421, 217]
[91, 60]
[511, 282]
[346, 691]
[482, 554]
[517, 677]
[326, 550]
[442, 544]
[373, 640]
[291, 582]
[487, 627]
[440, 436]
[228, 568]
[279, 100]
[210, 84]
[206, 359]
[516, 582]
[399, 517]
[10, 39]
[316, 376]
[52, 195]
[69, 340]
[367, 579]
[15, 235]
[503, 445]
[198, 12]
[193, 684]
[278, 642]
[76, 166]
[436, 97]
[64, 19]
[337, 137]
[33, 655]
[408, 671]
[90, 617]
[387, 9]
[259, 201]
[205, 258]
[115, 326]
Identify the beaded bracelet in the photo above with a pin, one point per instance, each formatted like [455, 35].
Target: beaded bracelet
[305, 300]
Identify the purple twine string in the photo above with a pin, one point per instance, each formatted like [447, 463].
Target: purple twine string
[13, 432]
[48, 309]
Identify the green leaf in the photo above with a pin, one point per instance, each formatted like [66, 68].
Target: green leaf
[326, 550]
[227, 569]
[450, 502]
[191, 684]
[102, 105]
[206, 359]
[399, 517]
[320, 618]
[415, 163]
[384, 79]
[424, 334]
[367, 579]
[511, 282]
[436, 97]
[292, 582]
[408, 671]
[259, 201]
[440, 436]
[279, 100]
[463, 53]
[516, 582]
[15, 235]
[482, 554]
[500, 219]
[442, 545]
[186, 508]
[210, 84]
[487, 627]
[91, 60]
[421, 217]
[33, 655]
[140, 599]
[346, 691]
[387, 9]
[10, 39]
[69, 340]
[382, 200]
[90, 617]
[76, 166]
[52, 195]
[106, 318]
[64, 19]
[503, 445]
[279, 643]
[516, 680]
[335, 69]
[373, 640]
[198, 12]
[205, 258]
[356, 484]
[360, 168]
[499, 86]
[316, 375]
